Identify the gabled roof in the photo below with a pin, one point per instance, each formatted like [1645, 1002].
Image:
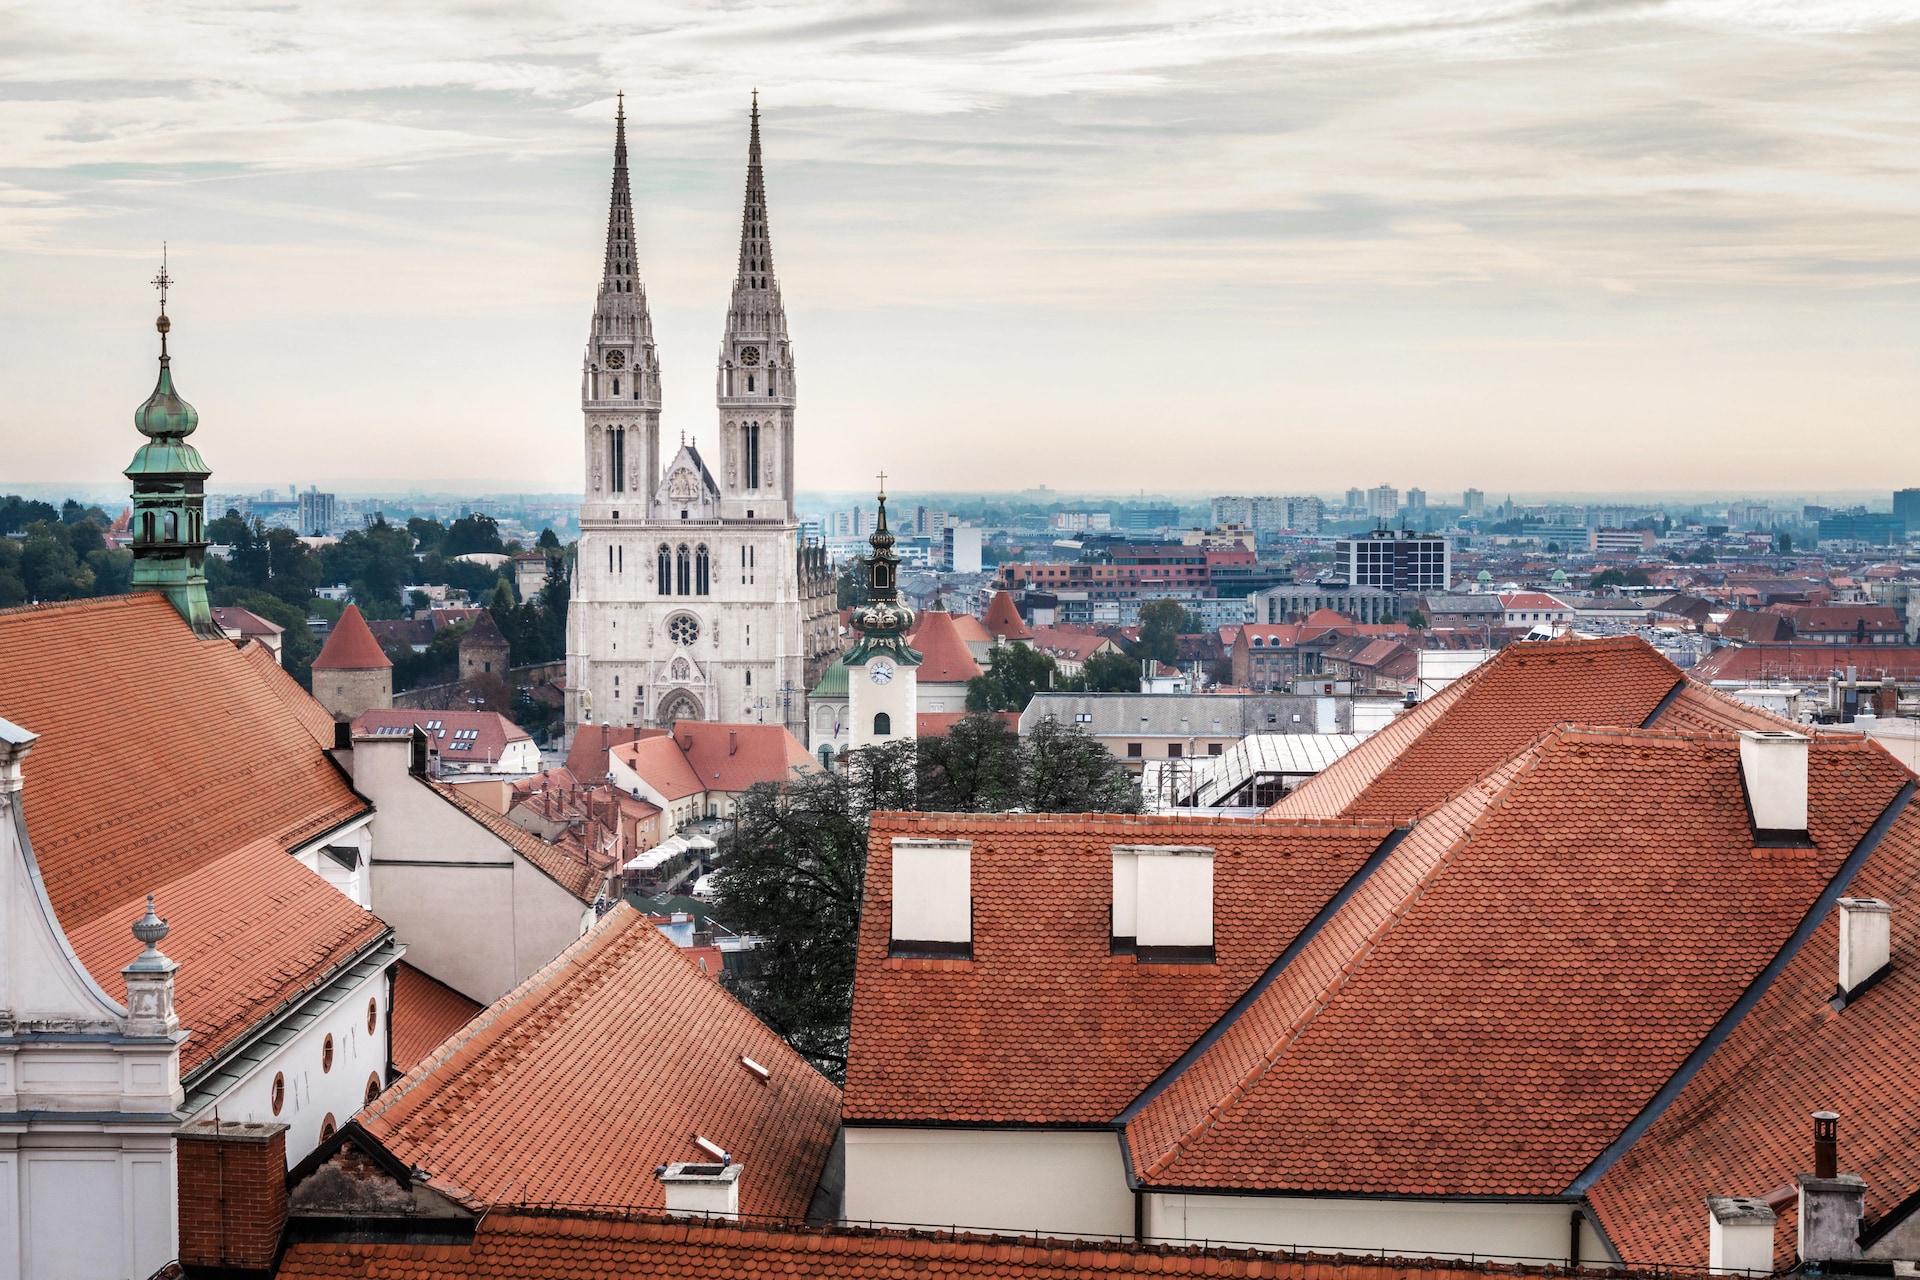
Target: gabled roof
[1740, 1126]
[300, 704]
[1532, 600]
[487, 734]
[1878, 619]
[245, 622]
[350, 646]
[587, 757]
[733, 757]
[1517, 980]
[944, 656]
[1808, 661]
[662, 764]
[425, 1012]
[1491, 713]
[167, 764]
[1043, 1025]
[572, 1088]
[1003, 620]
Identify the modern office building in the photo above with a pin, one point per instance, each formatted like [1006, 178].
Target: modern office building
[1397, 560]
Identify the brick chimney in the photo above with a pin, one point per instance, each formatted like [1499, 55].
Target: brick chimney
[233, 1195]
[1832, 1203]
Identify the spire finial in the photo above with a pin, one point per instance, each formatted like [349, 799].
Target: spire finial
[620, 104]
[162, 282]
[883, 486]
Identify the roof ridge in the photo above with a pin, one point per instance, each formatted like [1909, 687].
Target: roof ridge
[86, 603]
[504, 1015]
[1398, 911]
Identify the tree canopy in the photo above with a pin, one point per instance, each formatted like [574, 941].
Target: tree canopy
[1015, 672]
[794, 867]
[1162, 623]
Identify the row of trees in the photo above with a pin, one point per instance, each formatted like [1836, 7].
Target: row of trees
[57, 554]
[794, 867]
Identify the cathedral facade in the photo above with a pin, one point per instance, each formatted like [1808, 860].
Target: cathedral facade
[693, 594]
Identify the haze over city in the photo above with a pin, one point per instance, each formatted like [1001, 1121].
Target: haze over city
[1548, 247]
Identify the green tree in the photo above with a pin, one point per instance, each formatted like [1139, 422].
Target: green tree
[49, 569]
[1607, 578]
[13, 588]
[1110, 673]
[794, 867]
[1702, 554]
[1162, 623]
[548, 540]
[470, 534]
[1014, 674]
[1417, 620]
[850, 588]
[16, 512]
[1782, 543]
[426, 534]
[375, 563]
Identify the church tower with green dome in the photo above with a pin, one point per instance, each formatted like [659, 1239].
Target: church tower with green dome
[169, 494]
[882, 668]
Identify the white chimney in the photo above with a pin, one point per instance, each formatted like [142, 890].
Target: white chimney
[1739, 1236]
[1866, 941]
[932, 897]
[702, 1190]
[1170, 907]
[1773, 764]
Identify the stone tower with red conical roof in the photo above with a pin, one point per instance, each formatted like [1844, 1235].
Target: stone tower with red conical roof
[352, 675]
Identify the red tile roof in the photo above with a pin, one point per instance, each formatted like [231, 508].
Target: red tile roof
[572, 1088]
[1878, 619]
[663, 764]
[245, 621]
[700, 755]
[492, 732]
[168, 765]
[587, 757]
[1741, 1127]
[1538, 600]
[563, 866]
[1328, 618]
[944, 656]
[1808, 661]
[425, 1012]
[300, 704]
[1490, 714]
[937, 724]
[1478, 1018]
[350, 646]
[513, 1245]
[1003, 620]
[956, 1041]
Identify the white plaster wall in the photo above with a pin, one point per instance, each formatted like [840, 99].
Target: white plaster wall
[312, 1093]
[1058, 1183]
[1410, 1228]
[898, 698]
[90, 1206]
[356, 884]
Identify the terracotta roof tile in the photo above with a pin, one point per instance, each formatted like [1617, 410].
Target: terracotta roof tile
[587, 757]
[513, 1245]
[350, 646]
[733, 757]
[1741, 1126]
[1003, 619]
[209, 782]
[572, 1088]
[1535, 964]
[944, 656]
[313, 717]
[492, 733]
[663, 764]
[960, 1044]
[1808, 661]
[562, 866]
[425, 1012]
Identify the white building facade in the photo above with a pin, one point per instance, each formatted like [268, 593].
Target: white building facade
[691, 589]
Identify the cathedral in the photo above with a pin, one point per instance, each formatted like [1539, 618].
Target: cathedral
[693, 595]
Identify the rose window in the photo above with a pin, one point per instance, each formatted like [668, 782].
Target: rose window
[683, 630]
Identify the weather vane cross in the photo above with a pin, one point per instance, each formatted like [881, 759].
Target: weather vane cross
[883, 484]
[162, 280]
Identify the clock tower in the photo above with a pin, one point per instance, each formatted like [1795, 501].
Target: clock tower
[882, 670]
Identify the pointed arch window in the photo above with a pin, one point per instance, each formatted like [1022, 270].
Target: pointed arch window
[666, 570]
[702, 574]
[146, 526]
[753, 450]
[749, 382]
[683, 571]
[617, 453]
[173, 526]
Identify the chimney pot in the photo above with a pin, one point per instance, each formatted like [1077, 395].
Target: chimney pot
[1773, 768]
[1866, 943]
[1832, 1204]
[1826, 1144]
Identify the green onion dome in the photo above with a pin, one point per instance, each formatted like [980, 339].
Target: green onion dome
[165, 414]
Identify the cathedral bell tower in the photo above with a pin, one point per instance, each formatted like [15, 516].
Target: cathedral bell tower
[169, 493]
[882, 669]
[620, 378]
[755, 388]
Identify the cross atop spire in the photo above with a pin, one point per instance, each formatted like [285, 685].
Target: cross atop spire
[883, 486]
[162, 282]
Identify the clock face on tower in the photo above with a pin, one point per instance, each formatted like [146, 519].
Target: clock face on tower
[616, 359]
[749, 355]
[880, 670]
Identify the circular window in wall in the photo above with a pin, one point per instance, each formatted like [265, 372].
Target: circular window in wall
[327, 1127]
[373, 1089]
[373, 1015]
[279, 1091]
[683, 629]
[326, 1054]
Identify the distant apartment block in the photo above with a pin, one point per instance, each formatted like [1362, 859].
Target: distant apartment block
[316, 513]
[1475, 502]
[1150, 519]
[1416, 501]
[1303, 515]
[1628, 540]
[1906, 507]
[960, 548]
[1356, 499]
[1875, 528]
[1397, 560]
[1383, 502]
[1297, 601]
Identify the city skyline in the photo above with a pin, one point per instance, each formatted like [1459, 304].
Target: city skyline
[1498, 247]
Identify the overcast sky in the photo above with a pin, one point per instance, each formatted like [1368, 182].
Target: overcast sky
[1582, 244]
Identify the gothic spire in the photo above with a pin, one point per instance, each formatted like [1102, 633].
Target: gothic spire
[621, 272]
[754, 289]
